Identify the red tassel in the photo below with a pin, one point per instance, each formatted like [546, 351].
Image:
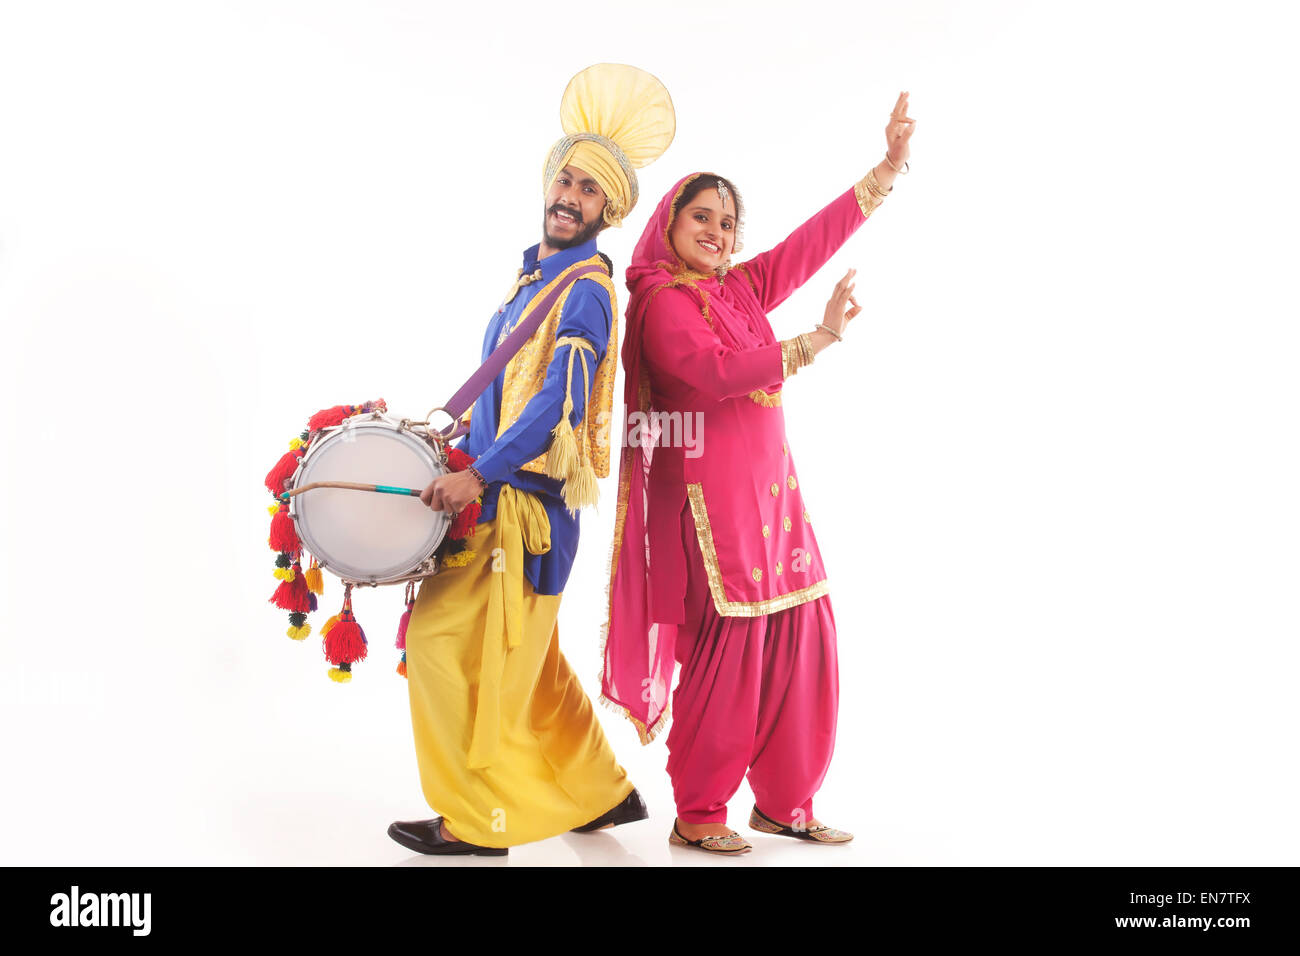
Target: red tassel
[346, 642]
[283, 471]
[284, 536]
[464, 524]
[293, 595]
[329, 417]
[458, 460]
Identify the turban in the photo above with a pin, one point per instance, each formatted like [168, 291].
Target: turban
[616, 119]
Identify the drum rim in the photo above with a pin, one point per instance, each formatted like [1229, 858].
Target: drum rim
[424, 566]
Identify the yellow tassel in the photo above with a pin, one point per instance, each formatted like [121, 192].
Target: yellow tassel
[315, 582]
[329, 624]
[563, 456]
[284, 574]
[581, 490]
[298, 633]
[459, 559]
[340, 677]
[295, 444]
[272, 509]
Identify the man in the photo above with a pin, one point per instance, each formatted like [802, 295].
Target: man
[508, 744]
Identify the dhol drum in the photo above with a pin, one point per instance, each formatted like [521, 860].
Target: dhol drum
[362, 536]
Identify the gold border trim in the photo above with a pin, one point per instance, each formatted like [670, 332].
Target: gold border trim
[766, 399]
[726, 608]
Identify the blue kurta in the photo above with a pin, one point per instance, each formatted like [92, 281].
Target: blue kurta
[587, 314]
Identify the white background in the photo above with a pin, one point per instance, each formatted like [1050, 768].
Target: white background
[1052, 468]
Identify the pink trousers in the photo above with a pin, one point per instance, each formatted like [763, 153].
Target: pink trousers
[754, 693]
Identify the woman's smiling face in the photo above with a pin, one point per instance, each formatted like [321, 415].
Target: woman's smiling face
[704, 231]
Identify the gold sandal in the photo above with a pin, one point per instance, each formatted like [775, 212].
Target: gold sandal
[732, 844]
[760, 821]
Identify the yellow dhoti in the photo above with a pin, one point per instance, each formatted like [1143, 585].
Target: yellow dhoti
[508, 744]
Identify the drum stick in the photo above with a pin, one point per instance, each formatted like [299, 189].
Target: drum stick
[355, 486]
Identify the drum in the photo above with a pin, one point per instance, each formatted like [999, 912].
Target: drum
[370, 537]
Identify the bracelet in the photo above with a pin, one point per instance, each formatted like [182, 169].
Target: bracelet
[866, 203]
[902, 172]
[474, 471]
[795, 354]
[873, 185]
[824, 326]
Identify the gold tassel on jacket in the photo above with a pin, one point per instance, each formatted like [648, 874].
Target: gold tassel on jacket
[566, 459]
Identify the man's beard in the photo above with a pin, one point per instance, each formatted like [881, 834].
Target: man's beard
[585, 233]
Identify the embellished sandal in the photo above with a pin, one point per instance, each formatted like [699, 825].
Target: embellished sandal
[733, 844]
[760, 821]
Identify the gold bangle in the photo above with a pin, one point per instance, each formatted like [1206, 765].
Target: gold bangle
[806, 346]
[902, 172]
[824, 326]
[866, 203]
[873, 185]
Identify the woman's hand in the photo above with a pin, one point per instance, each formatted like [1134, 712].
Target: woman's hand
[899, 133]
[838, 309]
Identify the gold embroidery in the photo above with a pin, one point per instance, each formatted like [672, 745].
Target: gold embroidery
[526, 373]
[785, 522]
[805, 516]
[758, 574]
[767, 400]
[866, 202]
[726, 608]
[792, 483]
[778, 567]
[767, 532]
[776, 489]
[785, 449]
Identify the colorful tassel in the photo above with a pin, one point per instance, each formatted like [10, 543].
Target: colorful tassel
[329, 417]
[401, 665]
[298, 626]
[459, 559]
[278, 476]
[329, 624]
[315, 580]
[292, 595]
[341, 674]
[346, 641]
[284, 536]
[406, 617]
[466, 521]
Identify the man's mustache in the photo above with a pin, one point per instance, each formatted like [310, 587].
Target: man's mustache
[577, 216]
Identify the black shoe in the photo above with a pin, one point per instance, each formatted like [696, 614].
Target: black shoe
[425, 836]
[629, 811]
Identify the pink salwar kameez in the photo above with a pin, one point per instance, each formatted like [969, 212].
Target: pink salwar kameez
[715, 565]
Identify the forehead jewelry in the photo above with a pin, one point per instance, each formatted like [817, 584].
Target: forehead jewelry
[724, 193]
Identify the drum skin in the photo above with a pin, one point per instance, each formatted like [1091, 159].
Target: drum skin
[365, 536]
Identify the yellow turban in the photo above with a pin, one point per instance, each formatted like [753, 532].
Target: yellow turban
[616, 119]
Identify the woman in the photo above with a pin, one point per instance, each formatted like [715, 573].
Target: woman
[714, 564]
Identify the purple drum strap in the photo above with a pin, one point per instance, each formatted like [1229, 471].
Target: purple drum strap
[537, 311]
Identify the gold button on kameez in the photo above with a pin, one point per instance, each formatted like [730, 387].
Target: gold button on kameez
[776, 490]
[758, 574]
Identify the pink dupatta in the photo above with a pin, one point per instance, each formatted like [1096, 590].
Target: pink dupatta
[638, 651]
